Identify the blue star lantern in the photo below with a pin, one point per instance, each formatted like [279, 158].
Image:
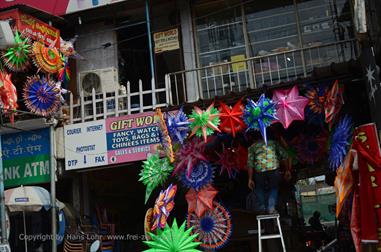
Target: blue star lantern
[178, 125]
[259, 116]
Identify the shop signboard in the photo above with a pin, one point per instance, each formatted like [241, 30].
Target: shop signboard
[85, 145]
[110, 141]
[26, 157]
[33, 27]
[130, 138]
[166, 40]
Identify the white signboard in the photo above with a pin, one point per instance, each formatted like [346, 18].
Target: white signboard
[85, 145]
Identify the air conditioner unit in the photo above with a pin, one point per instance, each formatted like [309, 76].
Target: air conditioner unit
[102, 80]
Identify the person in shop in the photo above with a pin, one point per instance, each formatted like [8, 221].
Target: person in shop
[263, 171]
[315, 223]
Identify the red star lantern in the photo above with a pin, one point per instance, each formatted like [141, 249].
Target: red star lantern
[231, 118]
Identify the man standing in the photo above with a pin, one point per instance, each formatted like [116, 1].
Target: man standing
[263, 162]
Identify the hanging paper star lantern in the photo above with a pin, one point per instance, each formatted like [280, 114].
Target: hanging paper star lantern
[231, 118]
[165, 140]
[148, 223]
[340, 142]
[155, 171]
[201, 175]
[204, 122]
[173, 239]
[189, 154]
[214, 228]
[163, 206]
[41, 96]
[311, 148]
[46, 58]
[259, 116]
[289, 105]
[8, 94]
[232, 160]
[333, 103]
[178, 125]
[200, 201]
[16, 58]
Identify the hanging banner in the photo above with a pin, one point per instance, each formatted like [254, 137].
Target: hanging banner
[130, 138]
[26, 157]
[85, 145]
[33, 27]
[166, 40]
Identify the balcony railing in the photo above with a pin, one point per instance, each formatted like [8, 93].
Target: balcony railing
[95, 106]
[271, 69]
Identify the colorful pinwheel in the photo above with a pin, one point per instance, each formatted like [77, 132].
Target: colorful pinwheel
[333, 103]
[173, 239]
[165, 140]
[232, 160]
[178, 125]
[41, 96]
[163, 206]
[155, 171]
[289, 105]
[259, 116]
[204, 122]
[231, 118]
[214, 228]
[46, 58]
[201, 175]
[8, 94]
[16, 58]
[200, 201]
[189, 154]
[340, 142]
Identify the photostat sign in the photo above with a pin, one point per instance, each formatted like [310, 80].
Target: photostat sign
[26, 157]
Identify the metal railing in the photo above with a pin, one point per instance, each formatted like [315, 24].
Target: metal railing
[95, 106]
[254, 72]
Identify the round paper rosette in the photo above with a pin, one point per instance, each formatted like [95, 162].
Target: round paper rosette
[47, 59]
[202, 174]
[214, 228]
[16, 58]
[41, 96]
[311, 148]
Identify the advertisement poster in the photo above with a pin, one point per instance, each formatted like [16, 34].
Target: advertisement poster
[166, 40]
[85, 145]
[26, 157]
[130, 138]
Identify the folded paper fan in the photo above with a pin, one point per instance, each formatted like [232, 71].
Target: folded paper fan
[163, 206]
[41, 96]
[16, 58]
[46, 58]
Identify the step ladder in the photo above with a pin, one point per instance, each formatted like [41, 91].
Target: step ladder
[271, 236]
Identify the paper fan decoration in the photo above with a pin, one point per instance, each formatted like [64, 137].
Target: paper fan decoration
[340, 142]
[201, 175]
[148, 223]
[204, 122]
[200, 201]
[177, 125]
[46, 58]
[232, 160]
[165, 140]
[189, 154]
[16, 58]
[333, 103]
[316, 99]
[155, 171]
[163, 206]
[289, 105]
[8, 94]
[260, 115]
[173, 239]
[214, 228]
[41, 96]
[231, 118]
[311, 148]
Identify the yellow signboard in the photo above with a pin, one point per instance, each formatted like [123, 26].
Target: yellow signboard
[240, 65]
[166, 40]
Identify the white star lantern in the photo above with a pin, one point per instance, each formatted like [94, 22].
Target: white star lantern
[371, 79]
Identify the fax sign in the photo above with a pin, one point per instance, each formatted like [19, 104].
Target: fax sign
[100, 159]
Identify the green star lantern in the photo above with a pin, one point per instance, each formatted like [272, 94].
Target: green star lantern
[173, 239]
[16, 58]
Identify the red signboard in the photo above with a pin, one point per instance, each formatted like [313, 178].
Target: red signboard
[33, 27]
